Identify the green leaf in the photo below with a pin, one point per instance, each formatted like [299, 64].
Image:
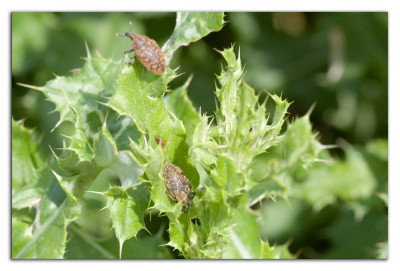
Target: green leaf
[180, 231]
[297, 151]
[279, 112]
[202, 232]
[82, 174]
[83, 246]
[178, 102]
[138, 94]
[104, 155]
[42, 234]
[54, 211]
[127, 169]
[299, 144]
[227, 94]
[203, 148]
[217, 222]
[127, 208]
[84, 90]
[190, 27]
[21, 235]
[245, 242]
[29, 195]
[267, 188]
[350, 180]
[123, 162]
[275, 252]
[122, 130]
[105, 150]
[79, 141]
[227, 176]
[242, 122]
[26, 161]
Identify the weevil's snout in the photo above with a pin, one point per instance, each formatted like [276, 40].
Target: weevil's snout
[191, 195]
[188, 200]
[129, 35]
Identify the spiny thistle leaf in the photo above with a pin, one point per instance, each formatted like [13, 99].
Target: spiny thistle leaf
[127, 209]
[79, 142]
[83, 90]
[243, 121]
[25, 157]
[138, 94]
[190, 27]
[46, 236]
[42, 232]
[275, 252]
[348, 180]
[178, 102]
[233, 160]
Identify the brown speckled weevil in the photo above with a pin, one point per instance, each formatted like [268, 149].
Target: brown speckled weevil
[178, 186]
[147, 51]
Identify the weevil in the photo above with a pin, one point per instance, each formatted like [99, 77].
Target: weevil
[178, 186]
[147, 51]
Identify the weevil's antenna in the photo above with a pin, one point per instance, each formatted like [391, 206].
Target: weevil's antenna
[122, 35]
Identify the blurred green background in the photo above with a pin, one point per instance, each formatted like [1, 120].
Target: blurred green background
[339, 61]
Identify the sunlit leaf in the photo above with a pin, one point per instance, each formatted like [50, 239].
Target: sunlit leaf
[190, 27]
[127, 208]
[26, 161]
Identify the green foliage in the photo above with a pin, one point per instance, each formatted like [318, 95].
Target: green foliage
[236, 161]
[350, 180]
[25, 157]
[339, 202]
[40, 231]
[190, 27]
[127, 210]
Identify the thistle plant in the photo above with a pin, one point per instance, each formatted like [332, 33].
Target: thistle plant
[117, 111]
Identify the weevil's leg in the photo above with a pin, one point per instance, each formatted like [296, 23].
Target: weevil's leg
[170, 196]
[132, 60]
[129, 51]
